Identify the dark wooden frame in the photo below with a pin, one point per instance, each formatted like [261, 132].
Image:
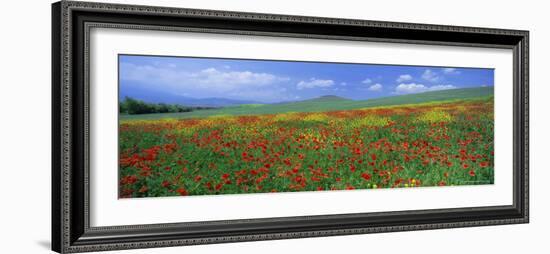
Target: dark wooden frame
[71, 22]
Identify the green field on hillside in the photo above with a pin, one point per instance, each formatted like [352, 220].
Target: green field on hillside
[327, 103]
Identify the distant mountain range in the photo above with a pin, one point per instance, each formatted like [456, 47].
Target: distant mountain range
[169, 98]
[326, 98]
[161, 97]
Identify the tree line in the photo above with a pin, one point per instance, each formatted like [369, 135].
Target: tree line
[132, 106]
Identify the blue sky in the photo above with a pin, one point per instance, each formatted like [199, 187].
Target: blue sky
[278, 81]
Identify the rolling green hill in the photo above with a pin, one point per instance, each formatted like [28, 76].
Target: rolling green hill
[326, 98]
[327, 103]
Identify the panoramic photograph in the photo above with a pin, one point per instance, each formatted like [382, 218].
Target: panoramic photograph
[208, 126]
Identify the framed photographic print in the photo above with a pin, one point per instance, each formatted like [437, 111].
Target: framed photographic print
[181, 126]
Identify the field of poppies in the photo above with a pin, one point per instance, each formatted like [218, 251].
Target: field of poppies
[429, 144]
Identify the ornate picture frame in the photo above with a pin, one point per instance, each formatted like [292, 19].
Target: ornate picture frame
[71, 196]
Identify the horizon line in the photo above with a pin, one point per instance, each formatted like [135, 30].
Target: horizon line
[313, 98]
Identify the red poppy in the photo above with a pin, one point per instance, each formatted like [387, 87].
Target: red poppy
[472, 173]
[395, 169]
[145, 173]
[484, 164]
[287, 161]
[366, 176]
[182, 191]
[128, 179]
[425, 162]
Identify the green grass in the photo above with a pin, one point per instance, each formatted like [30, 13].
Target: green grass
[326, 103]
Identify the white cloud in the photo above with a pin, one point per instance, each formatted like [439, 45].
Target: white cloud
[404, 77]
[207, 82]
[210, 78]
[410, 88]
[313, 82]
[420, 88]
[376, 87]
[450, 71]
[430, 75]
[367, 81]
